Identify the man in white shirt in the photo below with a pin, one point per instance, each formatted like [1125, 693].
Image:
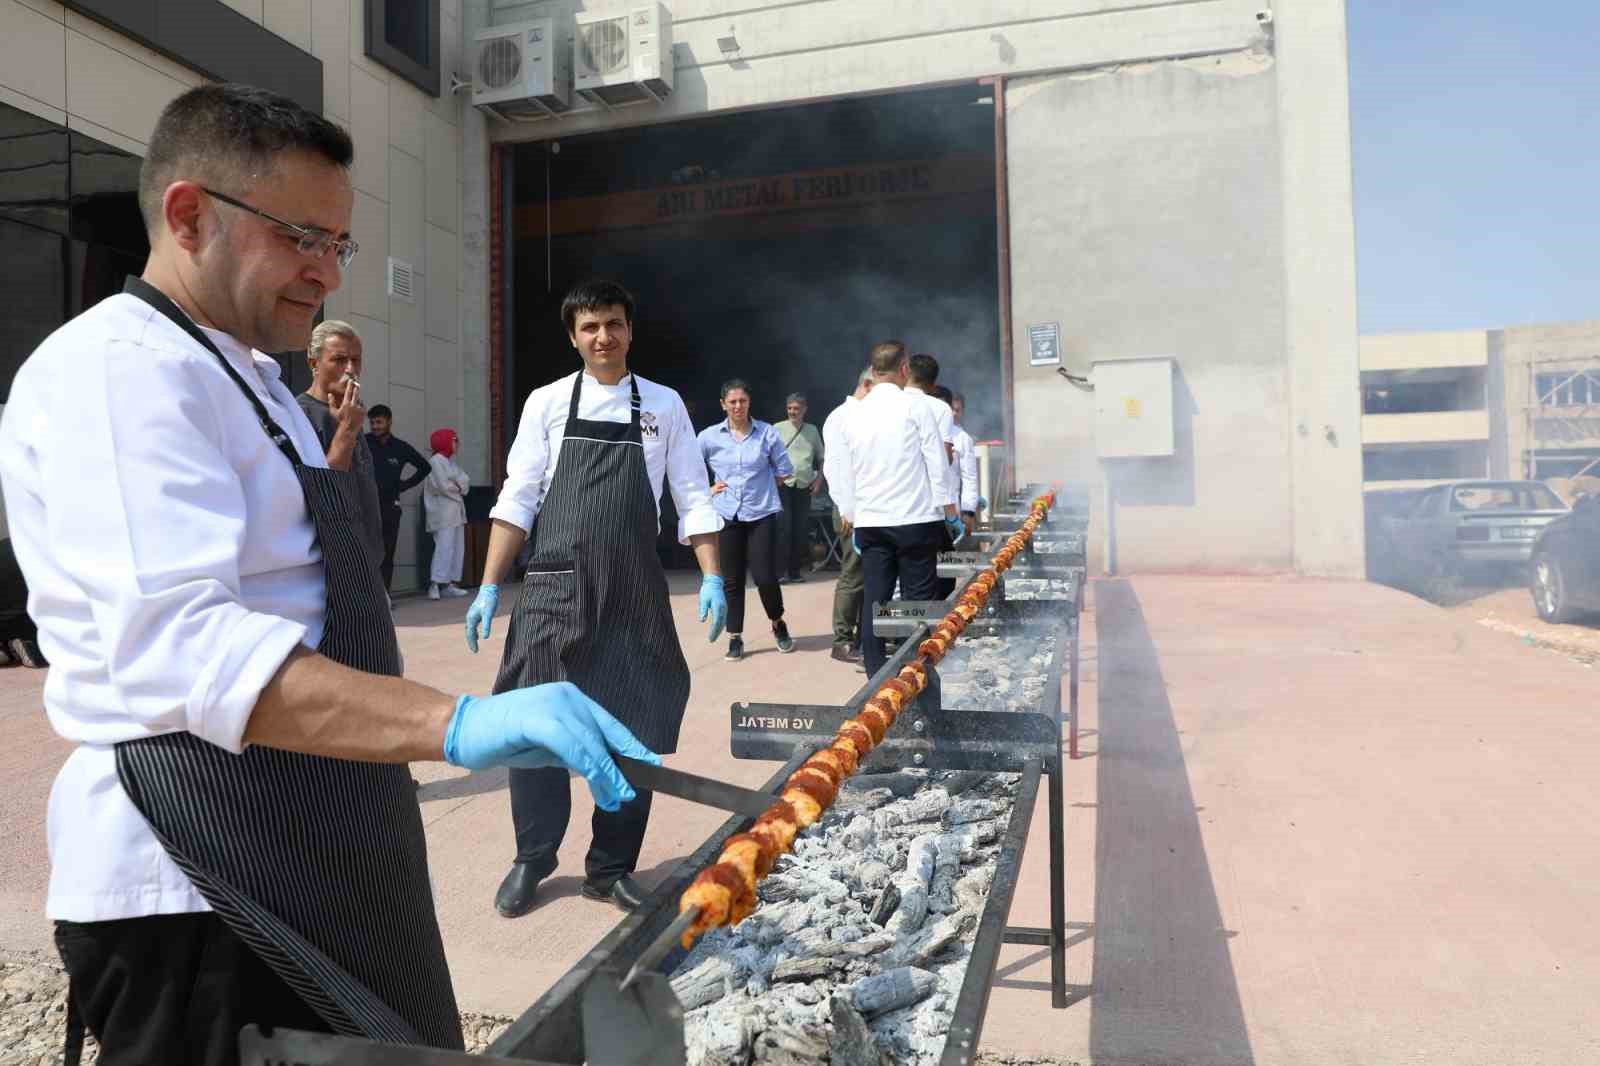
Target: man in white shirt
[235, 839]
[966, 463]
[847, 591]
[922, 373]
[593, 453]
[892, 491]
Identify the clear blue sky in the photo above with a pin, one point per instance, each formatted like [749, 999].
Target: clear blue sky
[1477, 161]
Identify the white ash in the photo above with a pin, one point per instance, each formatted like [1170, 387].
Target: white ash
[997, 674]
[763, 992]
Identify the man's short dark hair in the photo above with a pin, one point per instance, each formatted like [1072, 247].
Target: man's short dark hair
[887, 356]
[228, 135]
[924, 370]
[942, 393]
[592, 296]
[380, 410]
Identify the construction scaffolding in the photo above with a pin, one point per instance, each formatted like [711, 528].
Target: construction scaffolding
[1562, 420]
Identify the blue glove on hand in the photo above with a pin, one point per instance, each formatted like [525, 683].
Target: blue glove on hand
[480, 614]
[713, 602]
[543, 726]
[957, 530]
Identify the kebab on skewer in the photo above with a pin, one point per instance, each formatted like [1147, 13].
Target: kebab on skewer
[725, 892]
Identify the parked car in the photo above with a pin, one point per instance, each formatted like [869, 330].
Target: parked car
[1565, 576]
[1450, 528]
[1383, 561]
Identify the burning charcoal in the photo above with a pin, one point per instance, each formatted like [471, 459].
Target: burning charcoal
[973, 810]
[859, 834]
[852, 1043]
[926, 806]
[885, 905]
[776, 888]
[920, 861]
[724, 1039]
[961, 780]
[868, 800]
[891, 990]
[706, 983]
[872, 875]
[936, 938]
[792, 1045]
[972, 890]
[801, 970]
[913, 909]
[870, 944]
[900, 783]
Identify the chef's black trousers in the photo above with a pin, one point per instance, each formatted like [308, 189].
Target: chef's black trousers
[541, 806]
[908, 554]
[390, 509]
[750, 548]
[14, 621]
[172, 989]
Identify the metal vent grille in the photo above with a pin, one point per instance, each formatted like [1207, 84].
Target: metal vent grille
[500, 62]
[603, 47]
[402, 281]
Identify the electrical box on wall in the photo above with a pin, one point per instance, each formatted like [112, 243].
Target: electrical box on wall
[1133, 413]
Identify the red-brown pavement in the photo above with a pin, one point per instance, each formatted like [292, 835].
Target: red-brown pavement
[1314, 822]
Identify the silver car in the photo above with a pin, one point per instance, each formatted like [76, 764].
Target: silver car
[1460, 524]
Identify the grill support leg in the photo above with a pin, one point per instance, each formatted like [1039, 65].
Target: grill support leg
[1058, 890]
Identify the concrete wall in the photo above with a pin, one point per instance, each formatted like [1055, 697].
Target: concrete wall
[1146, 219]
[70, 70]
[1422, 351]
[790, 52]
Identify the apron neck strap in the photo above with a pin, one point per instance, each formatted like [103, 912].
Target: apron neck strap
[163, 303]
[634, 402]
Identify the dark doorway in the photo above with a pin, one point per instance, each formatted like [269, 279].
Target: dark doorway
[776, 246]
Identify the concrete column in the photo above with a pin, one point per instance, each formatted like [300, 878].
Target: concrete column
[1320, 287]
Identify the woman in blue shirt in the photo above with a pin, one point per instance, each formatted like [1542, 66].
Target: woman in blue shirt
[748, 462]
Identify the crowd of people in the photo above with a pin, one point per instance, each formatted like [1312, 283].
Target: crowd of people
[235, 838]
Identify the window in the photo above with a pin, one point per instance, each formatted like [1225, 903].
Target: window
[1568, 388]
[70, 230]
[403, 35]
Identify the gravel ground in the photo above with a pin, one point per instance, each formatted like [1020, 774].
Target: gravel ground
[33, 1014]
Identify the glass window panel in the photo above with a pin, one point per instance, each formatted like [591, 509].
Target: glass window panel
[33, 277]
[33, 170]
[105, 196]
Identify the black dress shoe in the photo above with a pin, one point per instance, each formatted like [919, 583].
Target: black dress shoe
[518, 892]
[846, 652]
[27, 653]
[624, 893]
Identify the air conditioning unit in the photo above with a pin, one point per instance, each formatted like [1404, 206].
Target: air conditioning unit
[523, 70]
[624, 58]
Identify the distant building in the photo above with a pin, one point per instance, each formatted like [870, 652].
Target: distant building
[1521, 402]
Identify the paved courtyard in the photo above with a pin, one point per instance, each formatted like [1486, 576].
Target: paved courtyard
[1314, 822]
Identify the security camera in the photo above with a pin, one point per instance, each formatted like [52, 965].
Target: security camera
[1264, 17]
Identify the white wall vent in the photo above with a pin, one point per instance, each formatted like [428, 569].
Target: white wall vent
[523, 70]
[402, 281]
[624, 58]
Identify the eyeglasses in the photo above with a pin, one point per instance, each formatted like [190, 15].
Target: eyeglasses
[313, 242]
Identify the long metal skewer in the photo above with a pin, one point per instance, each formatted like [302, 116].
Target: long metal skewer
[661, 945]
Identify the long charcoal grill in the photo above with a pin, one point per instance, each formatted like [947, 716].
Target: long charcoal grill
[1041, 596]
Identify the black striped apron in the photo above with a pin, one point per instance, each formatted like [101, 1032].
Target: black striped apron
[319, 864]
[594, 608]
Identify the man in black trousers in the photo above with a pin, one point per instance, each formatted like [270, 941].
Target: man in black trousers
[390, 457]
[892, 491]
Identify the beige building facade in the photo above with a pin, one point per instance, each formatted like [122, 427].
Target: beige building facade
[1519, 402]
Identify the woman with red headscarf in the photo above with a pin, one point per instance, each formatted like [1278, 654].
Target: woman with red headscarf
[444, 501]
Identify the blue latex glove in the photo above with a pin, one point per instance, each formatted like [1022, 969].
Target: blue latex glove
[713, 602]
[480, 614]
[543, 726]
[952, 523]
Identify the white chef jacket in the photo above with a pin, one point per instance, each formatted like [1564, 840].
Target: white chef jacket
[892, 473]
[967, 465]
[832, 442]
[171, 568]
[671, 450]
[945, 417]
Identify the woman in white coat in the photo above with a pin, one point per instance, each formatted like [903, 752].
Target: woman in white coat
[444, 501]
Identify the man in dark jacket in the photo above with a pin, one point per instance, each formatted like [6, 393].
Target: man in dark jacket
[390, 457]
